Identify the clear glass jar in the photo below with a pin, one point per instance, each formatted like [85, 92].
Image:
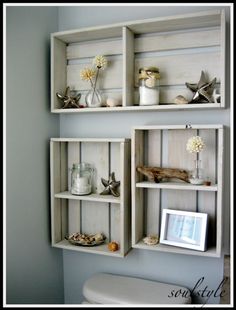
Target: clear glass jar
[149, 82]
[81, 179]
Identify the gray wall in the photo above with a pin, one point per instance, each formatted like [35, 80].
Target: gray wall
[34, 271]
[180, 269]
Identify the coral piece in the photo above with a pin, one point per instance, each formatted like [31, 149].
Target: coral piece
[156, 174]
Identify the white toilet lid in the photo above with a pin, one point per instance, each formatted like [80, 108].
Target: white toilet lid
[103, 288]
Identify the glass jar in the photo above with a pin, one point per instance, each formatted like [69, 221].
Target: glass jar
[81, 179]
[196, 175]
[149, 81]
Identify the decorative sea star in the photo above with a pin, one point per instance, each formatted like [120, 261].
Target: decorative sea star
[68, 100]
[110, 186]
[202, 90]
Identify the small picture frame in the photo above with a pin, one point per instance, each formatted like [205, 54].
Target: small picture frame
[184, 229]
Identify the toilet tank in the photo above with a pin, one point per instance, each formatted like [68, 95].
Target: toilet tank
[105, 288]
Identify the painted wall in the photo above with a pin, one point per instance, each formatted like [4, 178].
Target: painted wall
[34, 271]
[170, 268]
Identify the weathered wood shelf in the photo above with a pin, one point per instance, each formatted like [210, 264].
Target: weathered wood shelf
[177, 186]
[165, 146]
[181, 46]
[91, 197]
[94, 213]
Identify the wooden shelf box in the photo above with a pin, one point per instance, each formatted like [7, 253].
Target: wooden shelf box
[181, 46]
[93, 213]
[165, 146]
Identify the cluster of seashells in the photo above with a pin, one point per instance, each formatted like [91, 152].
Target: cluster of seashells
[87, 239]
[151, 240]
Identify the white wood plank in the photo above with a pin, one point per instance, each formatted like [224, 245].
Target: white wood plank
[95, 215]
[128, 66]
[220, 165]
[101, 249]
[56, 203]
[178, 69]
[207, 201]
[110, 77]
[58, 70]
[64, 186]
[177, 186]
[153, 196]
[125, 197]
[115, 218]
[73, 216]
[178, 157]
[223, 59]
[91, 197]
[73, 206]
[95, 218]
[137, 194]
[93, 48]
[172, 41]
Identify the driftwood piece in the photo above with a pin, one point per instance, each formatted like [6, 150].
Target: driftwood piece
[156, 174]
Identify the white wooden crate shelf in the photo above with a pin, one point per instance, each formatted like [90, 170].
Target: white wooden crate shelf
[181, 46]
[92, 213]
[165, 146]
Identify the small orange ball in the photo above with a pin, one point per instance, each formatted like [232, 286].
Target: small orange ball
[113, 246]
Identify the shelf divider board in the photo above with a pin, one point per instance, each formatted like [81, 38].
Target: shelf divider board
[55, 187]
[128, 67]
[58, 70]
[91, 197]
[125, 197]
[137, 194]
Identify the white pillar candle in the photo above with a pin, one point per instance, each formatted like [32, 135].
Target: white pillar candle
[81, 182]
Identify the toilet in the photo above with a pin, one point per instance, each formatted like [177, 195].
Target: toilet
[105, 288]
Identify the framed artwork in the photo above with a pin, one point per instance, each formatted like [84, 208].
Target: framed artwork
[184, 229]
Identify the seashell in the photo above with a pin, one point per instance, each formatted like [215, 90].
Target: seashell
[151, 240]
[180, 100]
[113, 246]
[112, 102]
[98, 237]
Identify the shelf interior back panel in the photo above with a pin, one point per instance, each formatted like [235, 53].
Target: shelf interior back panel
[167, 148]
[180, 57]
[86, 216]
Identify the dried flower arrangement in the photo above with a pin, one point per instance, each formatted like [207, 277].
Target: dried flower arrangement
[195, 144]
[91, 74]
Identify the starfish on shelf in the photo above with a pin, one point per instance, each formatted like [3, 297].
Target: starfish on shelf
[111, 186]
[203, 90]
[68, 100]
